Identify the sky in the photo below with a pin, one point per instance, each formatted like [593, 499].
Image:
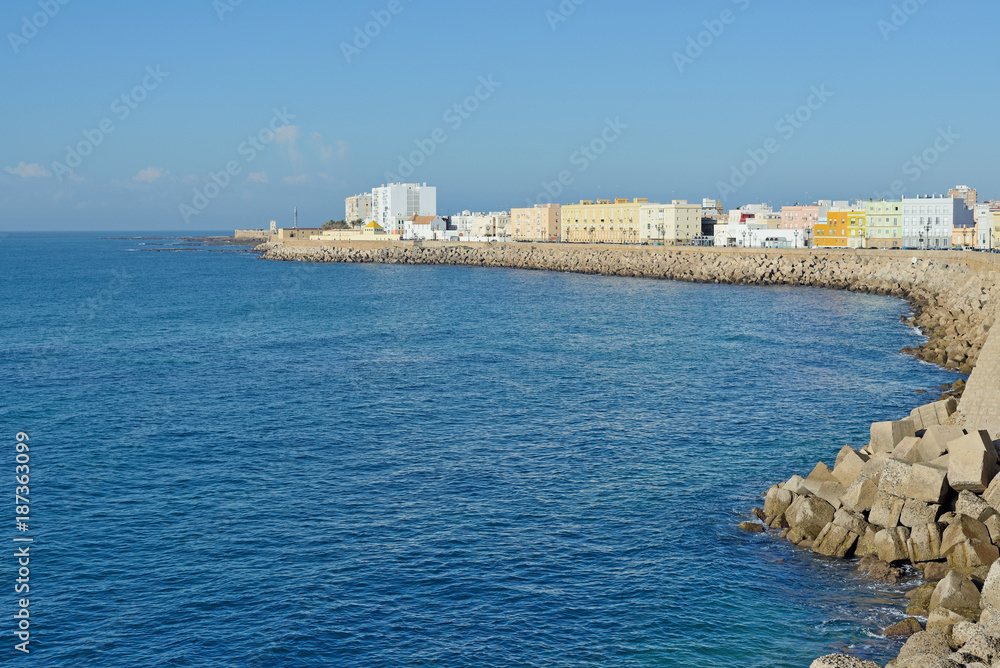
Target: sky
[223, 114]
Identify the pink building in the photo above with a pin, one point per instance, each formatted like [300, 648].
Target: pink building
[802, 217]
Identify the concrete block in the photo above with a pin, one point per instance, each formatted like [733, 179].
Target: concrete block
[891, 544]
[928, 483]
[848, 465]
[925, 543]
[860, 495]
[886, 510]
[887, 435]
[972, 462]
[917, 513]
[907, 450]
[895, 477]
[934, 442]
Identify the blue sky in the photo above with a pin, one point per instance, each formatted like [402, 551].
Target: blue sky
[593, 93]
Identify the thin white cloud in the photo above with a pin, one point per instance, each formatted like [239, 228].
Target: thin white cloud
[326, 151]
[258, 177]
[32, 171]
[151, 174]
[300, 180]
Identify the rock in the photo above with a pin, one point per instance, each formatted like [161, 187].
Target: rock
[907, 450]
[886, 510]
[928, 483]
[973, 506]
[991, 587]
[842, 661]
[876, 569]
[895, 477]
[848, 465]
[851, 521]
[866, 544]
[972, 462]
[943, 619]
[920, 602]
[936, 571]
[835, 541]
[934, 442]
[777, 501]
[917, 513]
[801, 534]
[925, 643]
[810, 514]
[860, 495]
[966, 543]
[925, 543]
[778, 522]
[907, 627]
[820, 473]
[993, 524]
[886, 435]
[796, 485]
[980, 647]
[891, 544]
[759, 514]
[962, 633]
[872, 469]
[752, 527]
[992, 494]
[958, 593]
[830, 491]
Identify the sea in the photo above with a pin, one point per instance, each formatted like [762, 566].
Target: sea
[236, 462]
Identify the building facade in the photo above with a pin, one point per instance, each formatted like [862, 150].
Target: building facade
[884, 224]
[669, 224]
[539, 223]
[358, 207]
[966, 194]
[603, 221]
[394, 203]
[426, 228]
[840, 229]
[928, 221]
[800, 217]
[493, 226]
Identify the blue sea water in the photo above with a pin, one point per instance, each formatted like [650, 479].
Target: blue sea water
[244, 463]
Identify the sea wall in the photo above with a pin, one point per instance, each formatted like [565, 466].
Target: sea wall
[954, 294]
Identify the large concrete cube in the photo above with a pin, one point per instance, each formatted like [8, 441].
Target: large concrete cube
[972, 462]
[887, 435]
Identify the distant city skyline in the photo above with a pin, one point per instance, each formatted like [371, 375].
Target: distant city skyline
[222, 114]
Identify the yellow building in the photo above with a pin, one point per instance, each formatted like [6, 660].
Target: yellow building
[603, 221]
[840, 229]
[370, 232]
[963, 237]
[540, 223]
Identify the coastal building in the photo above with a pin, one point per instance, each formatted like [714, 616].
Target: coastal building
[966, 194]
[758, 235]
[799, 217]
[285, 233]
[603, 221]
[539, 223]
[494, 226]
[884, 224]
[427, 228]
[963, 237]
[370, 232]
[358, 207]
[988, 226]
[669, 224]
[395, 203]
[840, 229]
[712, 208]
[928, 221]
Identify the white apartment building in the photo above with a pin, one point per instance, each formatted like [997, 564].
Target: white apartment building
[394, 203]
[928, 221]
[358, 207]
[669, 224]
[759, 235]
[426, 228]
[493, 226]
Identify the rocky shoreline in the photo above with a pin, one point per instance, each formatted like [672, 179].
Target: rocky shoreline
[923, 494]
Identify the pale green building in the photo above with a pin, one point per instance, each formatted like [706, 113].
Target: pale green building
[884, 228]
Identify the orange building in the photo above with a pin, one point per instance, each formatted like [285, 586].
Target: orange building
[840, 229]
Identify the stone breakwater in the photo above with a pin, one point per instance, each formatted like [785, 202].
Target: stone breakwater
[954, 300]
